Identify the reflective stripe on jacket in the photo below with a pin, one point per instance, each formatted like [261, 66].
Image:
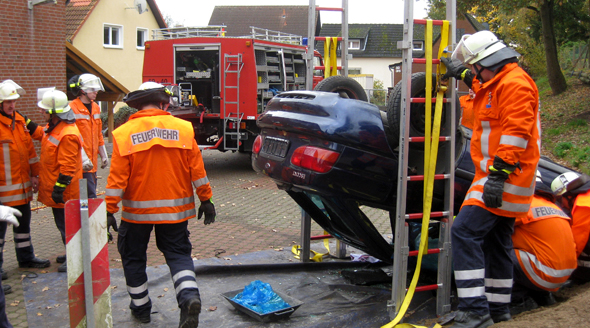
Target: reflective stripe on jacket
[156, 162]
[581, 221]
[506, 125]
[18, 162]
[61, 152]
[544, 245]
[90, 126]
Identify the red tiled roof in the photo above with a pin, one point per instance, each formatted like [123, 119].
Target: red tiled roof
[76, 13]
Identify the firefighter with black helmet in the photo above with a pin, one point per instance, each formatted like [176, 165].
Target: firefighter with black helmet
[87, 112]
[155, 165]
[61, 157]
[505, 150]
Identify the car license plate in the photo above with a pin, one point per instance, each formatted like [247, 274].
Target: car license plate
[275, 146]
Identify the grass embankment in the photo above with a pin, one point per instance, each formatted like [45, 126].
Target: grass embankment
[564, 123]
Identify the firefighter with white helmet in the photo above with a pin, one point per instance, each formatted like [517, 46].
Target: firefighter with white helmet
[573, 191]
[155, 165]
[61, 149]
[505, 149]
[87, 112]
[20, 178]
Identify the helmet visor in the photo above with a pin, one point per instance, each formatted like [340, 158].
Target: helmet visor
[466, 54]
[92, 85]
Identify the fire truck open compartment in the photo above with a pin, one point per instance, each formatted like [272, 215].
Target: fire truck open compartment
[224, 83]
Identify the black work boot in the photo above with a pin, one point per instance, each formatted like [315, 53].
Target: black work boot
[35, 262]
[142, 316]
[7, 289]
[4, 274]
[61, 258]
[523, 305]
[501, 317]
[189, 312]
[63, 267]
[468, 319]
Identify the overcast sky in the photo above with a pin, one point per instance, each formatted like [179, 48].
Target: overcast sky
[198, 12]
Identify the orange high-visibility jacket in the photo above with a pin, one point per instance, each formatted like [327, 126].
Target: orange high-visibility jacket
[90, 126]
[506, 125]
[155, 164]
[466, 111]
[61, 152]
[18, 163]
[581, 221]
[544, 245]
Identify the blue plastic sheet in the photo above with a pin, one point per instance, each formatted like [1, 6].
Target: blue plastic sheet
[258, 296]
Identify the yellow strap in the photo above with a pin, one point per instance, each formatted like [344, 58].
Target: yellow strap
[429, 169]
[334, 61]
[327, 57]
[317, 257]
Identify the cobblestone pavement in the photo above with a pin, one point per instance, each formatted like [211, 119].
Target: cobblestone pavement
[252, 215]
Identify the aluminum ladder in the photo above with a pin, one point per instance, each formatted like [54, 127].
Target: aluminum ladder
[311, 38]
[233, 65]
[401, 249]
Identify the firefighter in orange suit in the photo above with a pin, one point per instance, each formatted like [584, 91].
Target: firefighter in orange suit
[19, 178]
[87, 112]
[156, 162]
[544, 254]
[573, 192]
[61, 159]
[467, 109]
[505, 150]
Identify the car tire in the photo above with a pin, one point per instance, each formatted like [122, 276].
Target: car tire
[344, 86]
[394, 112]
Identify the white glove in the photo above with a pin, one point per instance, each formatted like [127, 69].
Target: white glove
[7, 214]
[86, 162]
[102, 150]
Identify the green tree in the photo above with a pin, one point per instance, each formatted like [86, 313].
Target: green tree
[378, 95]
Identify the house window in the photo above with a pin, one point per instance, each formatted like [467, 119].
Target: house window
[113, 36]
[142, 34]
[354, 44]
[418, 45]
[354, 70]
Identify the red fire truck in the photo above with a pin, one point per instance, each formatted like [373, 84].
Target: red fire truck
[221, 83]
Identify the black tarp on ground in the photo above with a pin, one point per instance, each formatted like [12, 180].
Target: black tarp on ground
[329, 300]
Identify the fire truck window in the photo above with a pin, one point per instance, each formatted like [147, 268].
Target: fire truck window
[200, 68]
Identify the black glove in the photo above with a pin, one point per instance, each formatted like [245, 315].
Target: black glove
[31, 126]
[494, 187]
[111, 222]
[60, 186]
[208, 208]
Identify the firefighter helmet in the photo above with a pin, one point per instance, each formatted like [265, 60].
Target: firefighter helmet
[55, 102]
[483, 48]
[148, 92]
[566, 182]
[85, 82]
[9, 90]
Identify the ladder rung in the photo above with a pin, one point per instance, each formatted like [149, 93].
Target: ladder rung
[227, 71]
[422, 139]
[432, 215]
[423, 100]
[430, 251]
[421, 177]
[427, 287]
[323, 38]
[324, 67]
[328, 9]
[423, 61]
[231, 87]
[321, 237]
[423, 22]
[231, 102]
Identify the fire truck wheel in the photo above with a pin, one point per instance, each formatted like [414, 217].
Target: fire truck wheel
[417, 110]
[344, 86]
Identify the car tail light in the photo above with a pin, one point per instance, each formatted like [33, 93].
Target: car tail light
[234, 125]
[316, 159]
[257, 144]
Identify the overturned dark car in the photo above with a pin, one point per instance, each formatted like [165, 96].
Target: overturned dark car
[333, 154]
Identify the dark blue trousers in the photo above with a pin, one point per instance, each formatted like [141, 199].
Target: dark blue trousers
[3, 318]
[482, 242]
[91, 183]
[173, 241]
[22, 236]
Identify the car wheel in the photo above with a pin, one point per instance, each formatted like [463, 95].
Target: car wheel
[344, 86]
[417, 110]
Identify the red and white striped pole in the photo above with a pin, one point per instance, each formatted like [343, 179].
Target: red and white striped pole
[86, 241]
